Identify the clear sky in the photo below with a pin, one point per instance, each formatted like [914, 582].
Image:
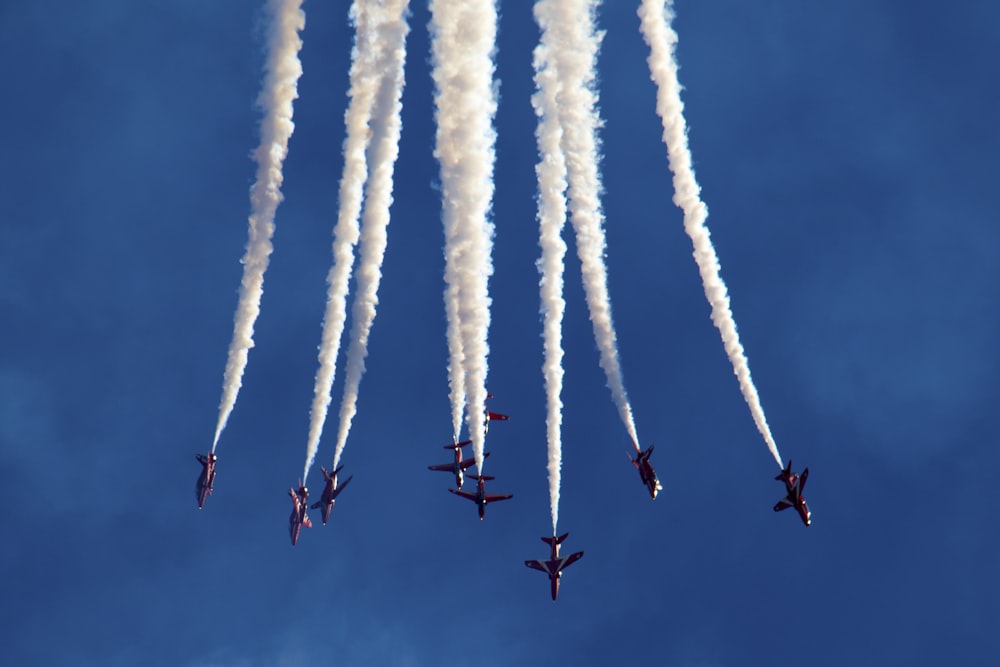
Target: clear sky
[846, 155]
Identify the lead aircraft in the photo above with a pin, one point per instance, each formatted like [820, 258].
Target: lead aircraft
[207, 477]
[330, 491]
[480, 497]
[458, 466]
[794, 483]
[555, 564]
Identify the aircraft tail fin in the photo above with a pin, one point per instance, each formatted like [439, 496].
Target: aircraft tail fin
[482, 477]
[785, 472]
[552, 541]
[458, 445]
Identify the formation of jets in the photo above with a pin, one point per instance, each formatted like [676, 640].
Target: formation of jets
[794, 483]
[555, 565]
[459, 466]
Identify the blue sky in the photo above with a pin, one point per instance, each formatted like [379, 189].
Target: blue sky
[847, 155]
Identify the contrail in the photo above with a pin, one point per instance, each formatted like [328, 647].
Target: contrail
[464, 38]
[656, 17]
[580, 122]
[386, 126]
[364, 81]
[551, 172]
[282, 71]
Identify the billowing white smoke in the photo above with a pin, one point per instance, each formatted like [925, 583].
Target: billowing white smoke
[580, 122]
[282, 72]
[363, 85]
[551, 172]
[386, 126]
[656, 17]
[464, 36]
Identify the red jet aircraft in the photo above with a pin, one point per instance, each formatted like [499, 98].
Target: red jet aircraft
[458, 466]
[299, 518]
[491, 416]
[330, 491]
[555, 564]
[480, 497]
[646, 472]
[794, 483]
[207, 477]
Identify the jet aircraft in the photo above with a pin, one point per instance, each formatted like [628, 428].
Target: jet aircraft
[794, 484]
[299, 518]
[458, 466]
[556, 563]
[492, 416]
[646, 472]
[207, 477]
[480, 497]
[330, 491]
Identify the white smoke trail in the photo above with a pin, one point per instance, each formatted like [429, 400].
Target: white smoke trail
[363, 85]
[282, 72]
[551, 172]
[580, 122]
[386, 126]
[656, 17]
[464, 38]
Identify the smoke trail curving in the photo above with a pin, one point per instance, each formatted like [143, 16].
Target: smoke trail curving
[464, 38]
[551, 172]
[386, 127]
[364, 82]
[656, 17]
[282, 72]
[580, 121]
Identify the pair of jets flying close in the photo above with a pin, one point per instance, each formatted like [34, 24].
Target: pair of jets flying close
[555, 564]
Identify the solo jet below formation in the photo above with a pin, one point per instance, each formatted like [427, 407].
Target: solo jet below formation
[458, 466]
[207, 477]
[555, 564]
[330, 491]
[646, 472]
[480, 497]
[794, 483]
[299, 517]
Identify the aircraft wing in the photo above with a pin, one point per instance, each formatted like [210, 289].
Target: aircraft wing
[465, 494]
[340, 487]
[446, 467]
[493, 497]
[537, 565]
[306, 521]
[782, 504]
[467, 463]
[495, 416]
[316, 505]
[802, 480]
[569, 560]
